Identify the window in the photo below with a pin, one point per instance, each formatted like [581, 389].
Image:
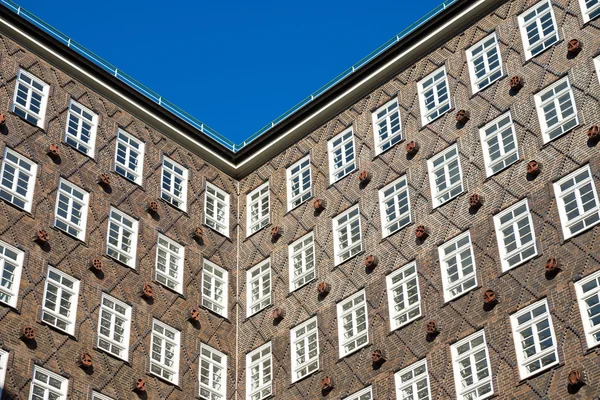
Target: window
[100, 396]
[258, 209]
[535, 342]
[31, 98]
[213, 373]
[577, 202]
[18, 179]
[214, 288]
[11, 265]
[458, 266]
[258, 373]
[305, 349]
[216, 210]
[538, 28]
[258, 279]
[122, 237]
[588, 296]
[164, 361]
[365, 394]
[515, 234]
[485, 63]
[403, 295]
[556, 110]
[81, 128]
[174, 183]
[434, 96]
[394, 206]
[387, 126]
[71, 209]
[129, 157]
[3, 367]
[114, 324]
[299, 183]
[347, 240]
[46, 385]
[353, 323]
[597, 63]
[590, 9]
[60, 300]
[445, 176]
[169, 263]
[342, 159]
[302, 261]
[471, 364]
[412, 382]
[499, 144]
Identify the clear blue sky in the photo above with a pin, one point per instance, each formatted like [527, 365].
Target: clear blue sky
[235, 65]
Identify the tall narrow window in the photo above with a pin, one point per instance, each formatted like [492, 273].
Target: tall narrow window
[122, 237]
[577, 202]
[174, 180]
[535, 342]
[556, 109]
[60, 300]
[164, 360]
[305, 349]
[387, 126]
[458, 266]
[302, 261]
[114, 323]
[11, 265]
[538, 28]
[3, 367]
[71, 209]
[299, 183]
[18, 179]
[434, 95]
[597, 63]
[364, 394]
[353, 324]
[129, 157]
[588, 296]
[258, 212]
[100, 396]
[445, 176]
[590, 9]
[169, 263]
[214, 287]
[81, 128]
[258, 280]
[31, 98]
[347, 238]
[46, 385]
[216, 210]
[485, 63]
[403, 295]
[213, 373]
[342, 157]
[259, 372]
[412, 382]
[394, 206]
[499, 144]
[515, 234]
[471, 364]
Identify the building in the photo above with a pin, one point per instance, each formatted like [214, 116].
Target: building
[427, 226]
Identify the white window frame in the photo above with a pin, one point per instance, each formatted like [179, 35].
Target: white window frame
[74, 128]
[3, 368]
[583, 216]
[483, 48]
[440, 107]
[564, 124]
[588, 288]
[342, 231]
[71, 319]
[546, 40]
[437, 195]
[133, 230]
[173, 174]
[175, 341]
[100, 396]
[597, 64]
[217, 200]
[216, 373]
[302, 257]
[169, 253]
[346, 149]
[264, 363]
[532, 323]
[301, 342]
[414, 382]
[130, 150]
[353, 335]
[408, 277]
[262, 194]
[501, 130]
[457, 255]
[296, 176]
[472, 354]
[513, 226]
[15, 257]
[61, 393]
[589, 13]
[363, 394]
[31, 175]
[391, 198]
[263, 281]
[25, 111]
[387, 120]
[112, 313]
[71, 198]
[210, 279]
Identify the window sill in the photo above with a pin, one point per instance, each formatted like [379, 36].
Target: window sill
[495, 174]
[388, 237]
[184, 212]
[260, 230]
[332, 184]
[98, 349]
[524, 381]
[163, 380]
[217, 232]
[11, 111]
[290, 294]
[63, 142]
[121, 263]
[67, 234]
[336, 266]
[480, 91]
[396, 331]
[248, 317]
[168, 288]
[289, 211]
[461, 194]
[551, 141]
[469, 291]
[532, 58]
[378, 155]
[216, 314]
[345, 356]
[424, 127]
[539, 255]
